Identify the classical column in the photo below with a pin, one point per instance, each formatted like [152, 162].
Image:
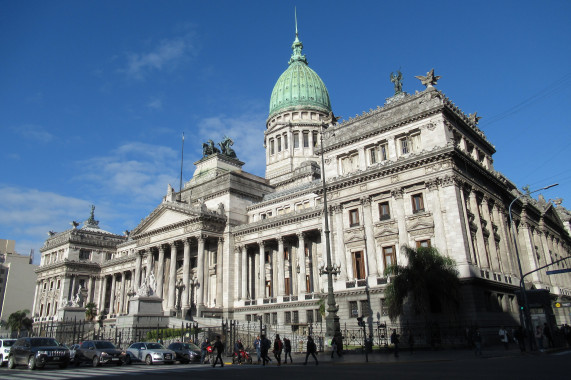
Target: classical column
[219, 272]
[483, 259]
[149, 262]
[185, 277]
[200, 272]
[370, 238]
[239, 271]
[262, 279]
[301, 284]
[90, 286]
[102, 294]
[498, 216]
[398, 195]
[112, 300]
[495, 264]
[255, 281]
[122, 293]
[161, 271]
[439, 232]
[172, 278]
[244, 271]
[339, 250]
[137, 282]
[281, 267]
[36, 291]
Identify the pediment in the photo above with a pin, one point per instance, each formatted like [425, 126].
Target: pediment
[163, 217]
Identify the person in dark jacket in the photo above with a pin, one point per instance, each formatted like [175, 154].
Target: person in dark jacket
[238, 348]
[219, 350]
[264, 348]
[311, 350]
[204, 350]
[278, 346]
[287, 350]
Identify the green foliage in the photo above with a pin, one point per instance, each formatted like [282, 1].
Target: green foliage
[429, 281]
[321, 303]
[18, 321]
[90, 311]
[170, 333]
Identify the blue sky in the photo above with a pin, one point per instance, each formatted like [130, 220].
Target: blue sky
[94, 95]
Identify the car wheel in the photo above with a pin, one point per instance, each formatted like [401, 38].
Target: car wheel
[128, 359]
[1, 361]
[32, 362]
[149, 360]
[11, 362]
[96, 361]
[63, 365]
[185, 359]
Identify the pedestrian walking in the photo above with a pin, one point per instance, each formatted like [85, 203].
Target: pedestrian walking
[519, 336]
[219, 350]
[504, 338]
[339, 343]
[278, 347]
[395, 341]
[477, 339]
[257, 346]
[264, 348]
[333, 347]
[287, 350]
[311, 350]
[204, 350]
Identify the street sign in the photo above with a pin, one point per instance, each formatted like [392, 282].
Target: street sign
[557, 271]
[562, 304]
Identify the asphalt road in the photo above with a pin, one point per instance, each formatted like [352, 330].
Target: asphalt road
[442, 365]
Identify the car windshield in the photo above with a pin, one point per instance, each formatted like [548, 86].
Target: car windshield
[190, 346]
[8, 343]
[101, 345]
[44, 342]
[154, 346]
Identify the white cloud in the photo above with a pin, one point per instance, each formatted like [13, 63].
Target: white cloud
[34, 132]
[247, 132]
[166, 54]
[155, 103]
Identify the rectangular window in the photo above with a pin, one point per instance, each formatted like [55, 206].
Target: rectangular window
[296, 140]
[267, 318]
[288, 317]
[314, 134]
[279, 144]
[372, 156]
[423, 244]
[384, 308]
[383, 152]
[272, 146]
[404, 145]
[317, 316]
[358, 265]
[384, 211]
[274, 318]
[285, 141]
[309, 316]
[307, 283]
[389, 256]
[287, 286]
[248, 317]
[268, 257]
[417, 203]
[353, 309]
[306, 139]
[415, 143]
[365, 308]
[295, 317]
[353, 217]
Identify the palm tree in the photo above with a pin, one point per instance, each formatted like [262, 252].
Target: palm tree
[90, 311]
[18, 321]
[429, 282]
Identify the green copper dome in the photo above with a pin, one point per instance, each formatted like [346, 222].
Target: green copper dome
[299, 87]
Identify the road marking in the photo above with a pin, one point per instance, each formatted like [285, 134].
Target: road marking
[562, 353]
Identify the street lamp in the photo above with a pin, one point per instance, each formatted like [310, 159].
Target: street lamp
[526, 315]
[332, 327]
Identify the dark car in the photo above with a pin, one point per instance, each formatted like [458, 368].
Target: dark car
[185, 352]
[97, 352]
[37, 353]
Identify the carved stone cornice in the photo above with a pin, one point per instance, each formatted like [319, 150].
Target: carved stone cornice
[397, 193]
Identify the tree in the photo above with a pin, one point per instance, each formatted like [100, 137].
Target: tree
[90, 311]
[429, 282]
[18, 321]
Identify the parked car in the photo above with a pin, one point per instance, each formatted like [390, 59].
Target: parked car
[185, 352]
[150, 353]
[97, 352]
[5, 345]
[37, 353]
[72, 350]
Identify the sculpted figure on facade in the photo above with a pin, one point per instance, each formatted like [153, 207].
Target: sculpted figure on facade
[208, 148]
[396, 79]
[226, 146]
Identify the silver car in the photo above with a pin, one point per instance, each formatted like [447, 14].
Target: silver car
[5, 345]
[150, 353]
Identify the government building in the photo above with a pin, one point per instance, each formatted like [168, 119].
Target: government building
[416, 171]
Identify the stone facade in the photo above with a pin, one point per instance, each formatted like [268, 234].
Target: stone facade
[416, 171]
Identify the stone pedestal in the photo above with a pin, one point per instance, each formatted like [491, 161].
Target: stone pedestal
[67, 313]
[146, 306]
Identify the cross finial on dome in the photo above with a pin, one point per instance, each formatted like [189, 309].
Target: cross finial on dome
[297, 46]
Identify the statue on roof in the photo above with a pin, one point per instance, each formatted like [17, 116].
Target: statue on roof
[429, 80]
[226, 146]
[208, 148]
[474, 118]
[396, 79]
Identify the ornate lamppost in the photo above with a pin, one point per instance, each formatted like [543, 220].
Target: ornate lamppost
[332, 326]
[526, 315]
[179, 287]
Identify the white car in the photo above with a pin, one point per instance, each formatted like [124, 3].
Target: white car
[150, 353]
[5, 345]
